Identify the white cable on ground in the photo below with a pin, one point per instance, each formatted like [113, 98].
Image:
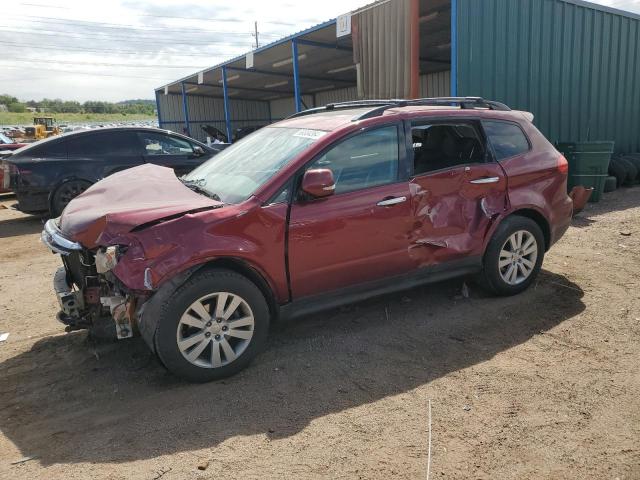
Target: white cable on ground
[429, 451]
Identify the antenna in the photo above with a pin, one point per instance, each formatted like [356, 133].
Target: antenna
[255, 24]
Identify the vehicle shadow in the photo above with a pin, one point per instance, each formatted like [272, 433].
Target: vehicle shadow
[68, 401]
[15, 227]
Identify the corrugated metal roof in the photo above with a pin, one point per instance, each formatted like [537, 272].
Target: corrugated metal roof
[288, 38]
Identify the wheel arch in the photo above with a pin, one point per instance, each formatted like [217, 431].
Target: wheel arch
[149, 312]
[55, 187]
[540, 220]
[247, 270]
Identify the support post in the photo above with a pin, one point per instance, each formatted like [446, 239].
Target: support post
[185, 111]
[414, 81]
[158, 109]
[454, 48]
[225, 95]
[296, 78]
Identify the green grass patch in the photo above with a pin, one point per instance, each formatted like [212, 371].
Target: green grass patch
[7, 118]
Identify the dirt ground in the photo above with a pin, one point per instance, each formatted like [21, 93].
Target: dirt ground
[542, 385]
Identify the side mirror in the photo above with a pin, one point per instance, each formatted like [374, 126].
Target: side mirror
[198, 151]
[319, 183]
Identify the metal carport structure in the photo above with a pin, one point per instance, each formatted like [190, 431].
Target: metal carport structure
[574, 64]
[263, 85]
[307, 69]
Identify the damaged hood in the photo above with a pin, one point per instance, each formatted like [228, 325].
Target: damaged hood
[126, 200]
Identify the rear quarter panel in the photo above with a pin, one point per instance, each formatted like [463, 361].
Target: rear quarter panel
[534, 182]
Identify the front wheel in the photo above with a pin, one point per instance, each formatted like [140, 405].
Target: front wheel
[65, 193]
[514, 256]
[212, 326]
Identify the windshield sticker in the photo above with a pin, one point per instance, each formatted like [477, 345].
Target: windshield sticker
[313, 134]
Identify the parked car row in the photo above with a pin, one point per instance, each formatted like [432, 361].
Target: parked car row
[330, 206]
[7, 145]
[46, 175]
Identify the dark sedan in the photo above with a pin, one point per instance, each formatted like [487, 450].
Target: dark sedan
[46, 175]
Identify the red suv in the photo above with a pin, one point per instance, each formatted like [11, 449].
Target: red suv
[330, 206]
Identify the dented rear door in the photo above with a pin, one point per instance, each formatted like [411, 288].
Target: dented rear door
[453, 210]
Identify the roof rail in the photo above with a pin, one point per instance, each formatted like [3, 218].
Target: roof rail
[379, 106]
[348, 105]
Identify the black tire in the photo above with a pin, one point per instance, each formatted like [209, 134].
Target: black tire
[635, 161]
[201, 284]
[616, 169]
[491, 278]
[631, 171]
[65, 193]
[610, 184]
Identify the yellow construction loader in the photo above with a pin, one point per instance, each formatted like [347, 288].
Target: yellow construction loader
[43, 127]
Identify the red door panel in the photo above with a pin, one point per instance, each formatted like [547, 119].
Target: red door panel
[453, 210]
[348, 239]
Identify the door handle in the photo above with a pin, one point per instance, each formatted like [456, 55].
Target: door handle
[391, 201]
[481, 181]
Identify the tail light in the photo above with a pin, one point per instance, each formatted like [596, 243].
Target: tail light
[563, 165]
[6, 177]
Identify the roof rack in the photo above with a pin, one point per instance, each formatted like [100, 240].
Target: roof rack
[381, 105]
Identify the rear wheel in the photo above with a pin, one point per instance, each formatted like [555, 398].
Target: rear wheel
[212, 326]
[65, 193]
[514, 256]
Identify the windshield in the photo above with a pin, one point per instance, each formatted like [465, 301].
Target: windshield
[5, 139]
[234, 174]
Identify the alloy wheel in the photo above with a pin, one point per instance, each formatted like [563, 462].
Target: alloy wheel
[215, 330]
[518, 257]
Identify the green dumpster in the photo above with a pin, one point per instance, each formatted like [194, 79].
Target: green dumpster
[588, 164]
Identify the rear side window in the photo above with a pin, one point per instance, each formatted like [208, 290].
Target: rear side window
[442, 145]
[100, 144]
[365, 160]
[507, 139]
[49, 149]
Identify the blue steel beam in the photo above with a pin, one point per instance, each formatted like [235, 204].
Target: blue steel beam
[296, 78]
[227, 113]
[247, 89]
[333, 46]
[454, 48]
[288, 75]
[185, 111]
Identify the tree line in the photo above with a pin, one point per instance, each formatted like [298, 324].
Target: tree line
[146, 107]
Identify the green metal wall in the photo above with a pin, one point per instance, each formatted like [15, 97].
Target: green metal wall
[576, 68]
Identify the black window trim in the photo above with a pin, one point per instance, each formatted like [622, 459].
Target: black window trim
[402, 159]
[143, 148]
[495, 120]
[489, 157]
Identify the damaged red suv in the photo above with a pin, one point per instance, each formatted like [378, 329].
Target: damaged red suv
[330, 206]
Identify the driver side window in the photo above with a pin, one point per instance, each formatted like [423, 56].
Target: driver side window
[158, 144]
[365, 160]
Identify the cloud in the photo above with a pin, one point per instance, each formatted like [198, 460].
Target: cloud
[124, 49]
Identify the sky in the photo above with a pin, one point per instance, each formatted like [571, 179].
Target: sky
[123, 49]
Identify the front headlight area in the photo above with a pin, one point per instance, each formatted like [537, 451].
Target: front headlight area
[107, 258]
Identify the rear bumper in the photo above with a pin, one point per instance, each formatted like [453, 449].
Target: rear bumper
[32, 200]
[561, 219]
